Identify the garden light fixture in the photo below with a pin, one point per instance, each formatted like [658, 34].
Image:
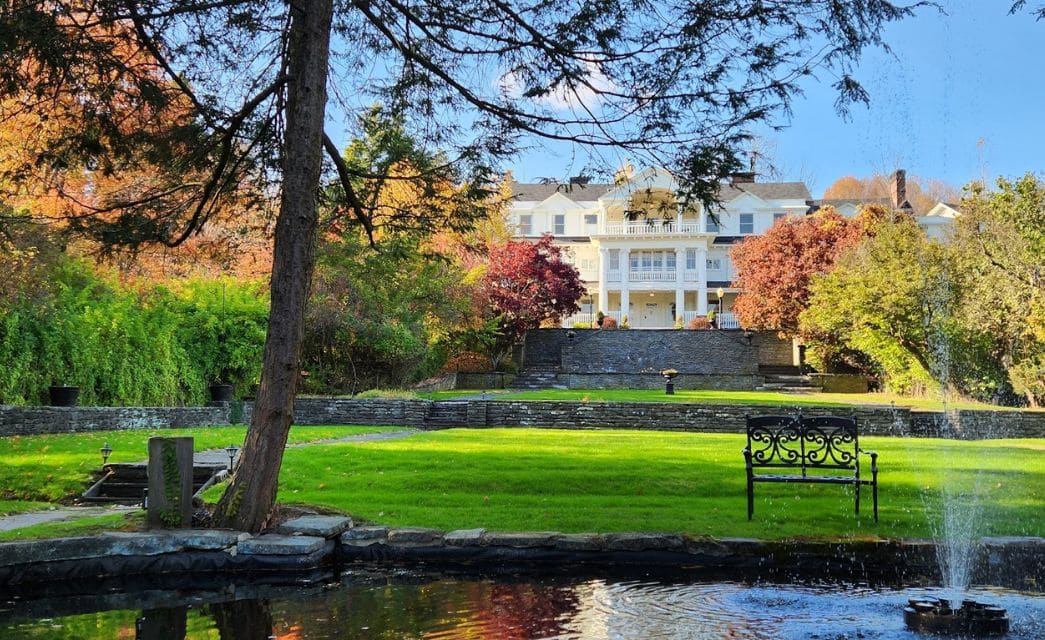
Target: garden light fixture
[232, 450]
[106, 451]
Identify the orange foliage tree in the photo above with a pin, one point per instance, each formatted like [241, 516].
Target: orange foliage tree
[774, 270]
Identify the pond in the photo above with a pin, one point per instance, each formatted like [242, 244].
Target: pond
[400, 604]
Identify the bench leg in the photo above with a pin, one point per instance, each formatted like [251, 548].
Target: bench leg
[750, 498]
[874, 495]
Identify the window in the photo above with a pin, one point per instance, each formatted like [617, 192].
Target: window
[634, 261]
[777, 216]
[747, 223]
[587, 264]
[647, 260]
[526, 225]
[712, 225]
[691, 259]
[560, 225]
[669, 260]
[591, 219]
[714, 264]
[614, 259]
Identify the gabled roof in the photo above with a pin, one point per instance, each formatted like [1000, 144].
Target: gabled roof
[765, 190]
[539, 192]
[658, 178]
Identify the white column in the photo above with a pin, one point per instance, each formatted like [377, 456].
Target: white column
[625, 273]
[702, 280]
[680, 282]
[604, 269]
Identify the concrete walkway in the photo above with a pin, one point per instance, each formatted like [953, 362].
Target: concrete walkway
[214, 457]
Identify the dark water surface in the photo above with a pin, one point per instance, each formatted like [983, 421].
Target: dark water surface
[402, 606]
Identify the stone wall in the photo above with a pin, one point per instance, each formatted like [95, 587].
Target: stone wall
[774, 351]
[665, 416]
[16, 420]
[689, 352]
[656, 381]
[370, 411]
[504, 413]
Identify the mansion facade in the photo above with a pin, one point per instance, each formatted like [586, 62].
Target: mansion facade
[644, 258]
[641, 254]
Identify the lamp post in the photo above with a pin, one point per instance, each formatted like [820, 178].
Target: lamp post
[232, 450]
[720, 292]
[106, 451]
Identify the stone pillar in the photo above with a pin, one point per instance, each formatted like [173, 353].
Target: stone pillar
[702, 280]
[604, 271]
[170, 483]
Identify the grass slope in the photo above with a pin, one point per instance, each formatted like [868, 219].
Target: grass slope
[605, 481]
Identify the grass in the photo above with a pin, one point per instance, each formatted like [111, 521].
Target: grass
[79, 527]
[52, 468]
[605, 481]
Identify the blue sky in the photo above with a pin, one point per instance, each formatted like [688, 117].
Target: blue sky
[961, 97]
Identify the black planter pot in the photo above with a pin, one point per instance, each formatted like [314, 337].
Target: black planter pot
[64, 396]
[221, 392]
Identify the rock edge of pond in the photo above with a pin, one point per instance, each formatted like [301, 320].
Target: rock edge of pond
[304, 550]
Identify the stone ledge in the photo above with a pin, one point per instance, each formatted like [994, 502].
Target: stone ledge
[320, 526]
[116, 544]
[274, 544]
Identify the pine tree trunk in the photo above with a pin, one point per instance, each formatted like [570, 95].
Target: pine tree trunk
[249, 498]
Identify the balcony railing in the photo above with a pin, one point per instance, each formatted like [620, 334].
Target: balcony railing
[652, 275]
[650, 227]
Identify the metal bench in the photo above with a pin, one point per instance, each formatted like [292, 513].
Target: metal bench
[793, 446]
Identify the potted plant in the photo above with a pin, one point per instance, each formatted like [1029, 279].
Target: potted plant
[669, 385]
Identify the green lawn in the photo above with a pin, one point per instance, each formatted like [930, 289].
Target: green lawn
[51, 468]
[604, 481]
[574, 481]
[79, 527]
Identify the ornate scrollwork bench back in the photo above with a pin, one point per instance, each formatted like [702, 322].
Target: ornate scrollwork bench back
[793, 446]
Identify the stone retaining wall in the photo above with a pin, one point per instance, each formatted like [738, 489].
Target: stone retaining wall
[16, 420]
[963, 424]
[298, 553]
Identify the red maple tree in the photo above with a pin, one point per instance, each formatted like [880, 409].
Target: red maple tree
[525, 284]
[774, 270]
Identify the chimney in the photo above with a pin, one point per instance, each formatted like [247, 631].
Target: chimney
[742, 177]
[900, 190]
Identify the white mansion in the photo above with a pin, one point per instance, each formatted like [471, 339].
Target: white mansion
[642, 255]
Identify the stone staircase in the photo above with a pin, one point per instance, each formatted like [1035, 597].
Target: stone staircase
[786, 379]
[538, 376]
[126, 483]
[446, 413]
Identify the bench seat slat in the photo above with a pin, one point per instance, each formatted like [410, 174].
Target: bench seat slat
[810, 479]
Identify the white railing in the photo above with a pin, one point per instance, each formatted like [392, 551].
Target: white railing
[724, 320]
[650, 228]
[727, 320]
[613, 276]
[651, 275]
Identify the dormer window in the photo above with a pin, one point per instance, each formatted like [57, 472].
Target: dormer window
[712, 225]
[560, 224]
[747, 223]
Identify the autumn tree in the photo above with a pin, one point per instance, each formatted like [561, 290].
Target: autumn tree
[774, 270]
[922, 193]
[679, 87]
[525, 284]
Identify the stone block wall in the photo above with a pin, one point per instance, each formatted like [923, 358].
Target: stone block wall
[969, 425]
[773, 350]
[17, 420]
[670, 416]
[651, 351]
[654, 380]
[314, 411]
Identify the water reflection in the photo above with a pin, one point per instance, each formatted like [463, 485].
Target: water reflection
[408, 606]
